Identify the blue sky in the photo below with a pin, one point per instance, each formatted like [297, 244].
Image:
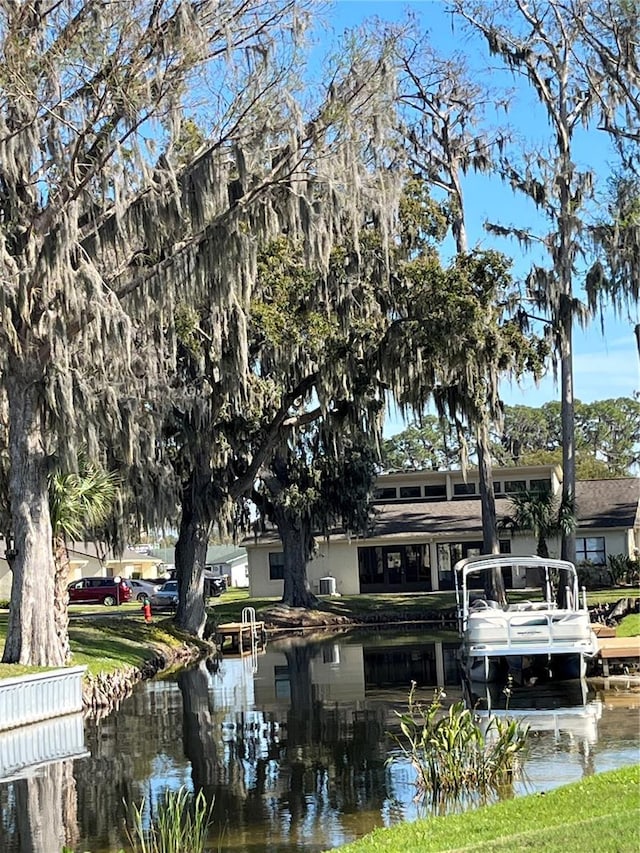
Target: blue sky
[606, 365]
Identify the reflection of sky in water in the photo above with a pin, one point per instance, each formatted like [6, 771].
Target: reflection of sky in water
[565, 742]
[293, 746]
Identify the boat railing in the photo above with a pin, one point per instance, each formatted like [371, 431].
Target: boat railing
[516, 628]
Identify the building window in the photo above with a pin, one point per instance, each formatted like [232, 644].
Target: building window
[276, 566]
[512, 487]
[590, 549]
[438, 490]
[282, 682]
[394, 567]
[450, 552]
[541, 486]
[460, 489]
[385, 494]
[410, 491]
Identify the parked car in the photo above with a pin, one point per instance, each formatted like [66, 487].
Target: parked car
[166, 596]
[214, 586]
[99, 591]
[142, 589]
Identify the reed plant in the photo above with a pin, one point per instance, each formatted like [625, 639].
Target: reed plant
[180, 825]
[456, 760]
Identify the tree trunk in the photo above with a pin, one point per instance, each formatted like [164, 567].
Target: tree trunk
[568, 548]
[200, 746]
[191, 554]
[297, 545]
[41, 800]
[490, 543]
[494, 589]
[542, 549]
[61, 597]
[32, 638]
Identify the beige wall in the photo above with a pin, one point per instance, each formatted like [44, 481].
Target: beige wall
[338, 558]
[145, 567]
[615, 541]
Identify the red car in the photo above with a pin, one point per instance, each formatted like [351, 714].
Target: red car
[99, 591]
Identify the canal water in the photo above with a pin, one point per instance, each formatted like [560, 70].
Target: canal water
[291, 746]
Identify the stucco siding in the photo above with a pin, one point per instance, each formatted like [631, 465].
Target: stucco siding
[338, 559]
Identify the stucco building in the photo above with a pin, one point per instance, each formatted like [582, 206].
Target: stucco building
[424, 521]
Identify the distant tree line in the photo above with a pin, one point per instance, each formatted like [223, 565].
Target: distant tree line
[607, 439]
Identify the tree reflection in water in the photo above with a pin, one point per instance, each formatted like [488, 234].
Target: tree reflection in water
[39, 813]
[315, 761]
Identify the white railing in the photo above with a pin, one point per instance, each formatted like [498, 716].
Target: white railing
[41, 743]
[507, 630]
[30, 698]
[249, 617]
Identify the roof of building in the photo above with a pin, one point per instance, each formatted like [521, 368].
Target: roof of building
[608, 503]
[215, 554]
[105, 554]
[462, 515]
[599, 504]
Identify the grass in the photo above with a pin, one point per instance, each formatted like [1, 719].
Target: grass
[109, 645]
[611, 595]
[106, 645]
[229, 606]
[600, 813]
[629, 626]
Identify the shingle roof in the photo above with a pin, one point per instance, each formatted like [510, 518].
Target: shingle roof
[433, 517]
[608, 503]
[599, 503]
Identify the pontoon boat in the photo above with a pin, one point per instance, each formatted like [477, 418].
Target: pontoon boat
[546, 636]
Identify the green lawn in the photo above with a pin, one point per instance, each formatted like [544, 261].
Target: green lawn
[629, 626]
[600, 814]
[105, 645]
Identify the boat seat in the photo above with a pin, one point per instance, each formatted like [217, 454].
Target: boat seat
[482, 604]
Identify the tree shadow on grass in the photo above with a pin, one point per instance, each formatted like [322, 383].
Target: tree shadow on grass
[119, 644]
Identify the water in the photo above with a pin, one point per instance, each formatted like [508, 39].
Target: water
[291, 747]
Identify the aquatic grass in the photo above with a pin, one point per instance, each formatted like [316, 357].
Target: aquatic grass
[180, 825]
[455, 759]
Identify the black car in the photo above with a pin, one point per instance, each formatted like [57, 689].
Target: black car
[214, 586]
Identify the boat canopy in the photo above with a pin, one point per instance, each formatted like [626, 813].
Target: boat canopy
[470, 565]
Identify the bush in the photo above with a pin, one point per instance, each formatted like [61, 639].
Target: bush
[592, 576]
[622, 569]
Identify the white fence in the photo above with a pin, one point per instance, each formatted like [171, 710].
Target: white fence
[41, 696]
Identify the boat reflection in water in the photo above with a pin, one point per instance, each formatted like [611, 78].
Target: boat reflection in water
[565, 722]
[556, 707]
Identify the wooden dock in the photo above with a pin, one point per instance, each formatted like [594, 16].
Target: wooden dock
[243, 637]
[618, 649]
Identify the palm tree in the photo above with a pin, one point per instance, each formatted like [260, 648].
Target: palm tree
[543, 514]
[78, 502]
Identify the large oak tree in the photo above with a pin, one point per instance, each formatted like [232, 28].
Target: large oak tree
[99, 234]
